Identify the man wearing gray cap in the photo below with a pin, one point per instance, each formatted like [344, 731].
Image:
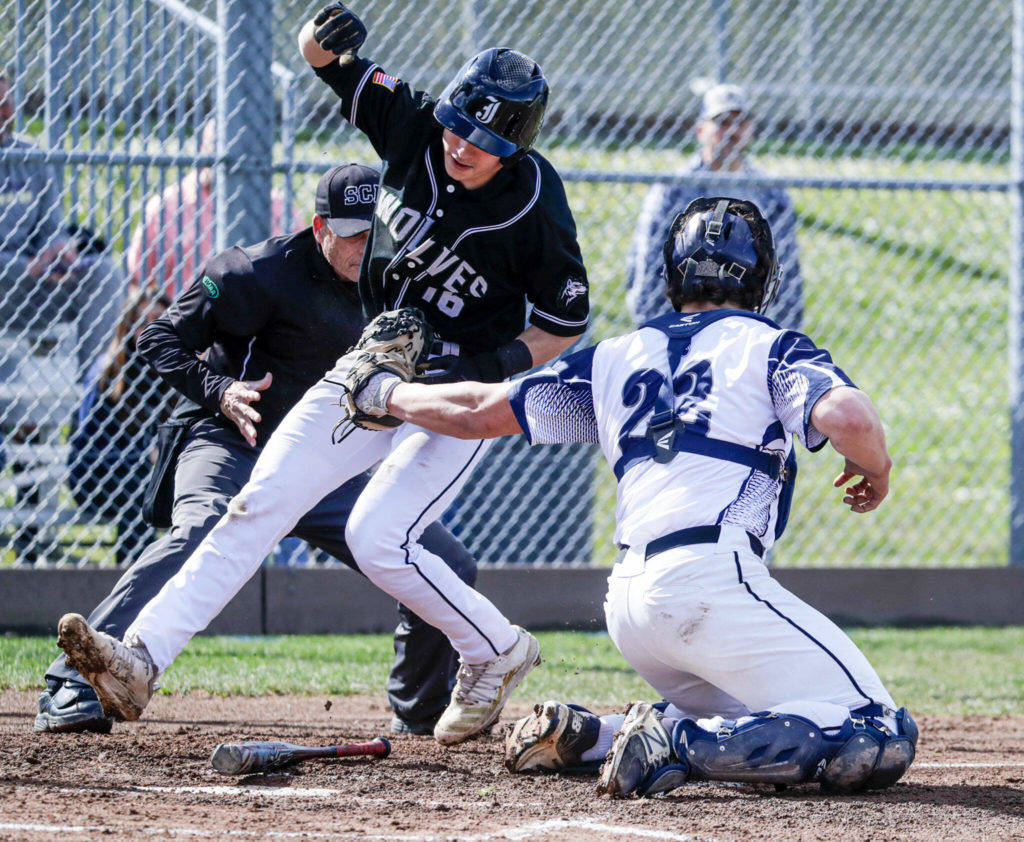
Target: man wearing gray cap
[724, 131]
[269, 320]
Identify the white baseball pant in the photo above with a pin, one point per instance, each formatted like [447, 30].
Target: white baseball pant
[708, 628]
[419, 477]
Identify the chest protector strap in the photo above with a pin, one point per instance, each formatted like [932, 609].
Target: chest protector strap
[667, 435]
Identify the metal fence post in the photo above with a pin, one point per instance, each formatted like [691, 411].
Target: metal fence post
[245, 122]
[723, 67]
[55, 107]
[475, 12]
[1016, 367]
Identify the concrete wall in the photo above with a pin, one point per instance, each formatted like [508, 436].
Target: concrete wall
[336, 600]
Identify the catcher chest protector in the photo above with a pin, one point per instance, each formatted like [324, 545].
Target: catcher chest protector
[496, 102]
[786, 749]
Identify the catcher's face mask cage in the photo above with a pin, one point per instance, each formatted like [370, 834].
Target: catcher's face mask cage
[496, 102]
[719, 249]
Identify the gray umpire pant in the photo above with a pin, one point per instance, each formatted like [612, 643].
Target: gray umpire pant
[213, 466]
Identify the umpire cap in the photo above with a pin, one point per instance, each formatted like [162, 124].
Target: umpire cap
[345, 198]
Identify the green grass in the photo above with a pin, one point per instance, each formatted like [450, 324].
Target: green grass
[967, 671]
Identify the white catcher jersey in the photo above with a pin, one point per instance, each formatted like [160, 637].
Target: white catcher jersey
[740, 380]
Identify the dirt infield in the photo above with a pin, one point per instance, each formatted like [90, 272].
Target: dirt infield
[153, 778]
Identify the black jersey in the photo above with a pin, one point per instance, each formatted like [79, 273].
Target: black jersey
[470, 259]
[276, 307]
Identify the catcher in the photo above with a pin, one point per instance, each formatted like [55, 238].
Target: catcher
[470, 226]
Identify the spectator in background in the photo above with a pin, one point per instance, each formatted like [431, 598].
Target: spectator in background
[175, 237]
[58, 294]
[113, 446]
[45, 278]
[724, 131]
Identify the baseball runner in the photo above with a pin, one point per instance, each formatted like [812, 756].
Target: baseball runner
[469, 226]
[724, 131]
[696, 413]
[271, 319]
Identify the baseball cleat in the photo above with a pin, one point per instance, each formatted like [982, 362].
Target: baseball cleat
[122, 676]
[641, 748]
[552, 739]
[70, 707]
[481, 690]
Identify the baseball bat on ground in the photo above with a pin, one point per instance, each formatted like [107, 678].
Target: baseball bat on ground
[248, 758]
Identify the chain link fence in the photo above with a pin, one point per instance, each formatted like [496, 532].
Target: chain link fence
[140, 132]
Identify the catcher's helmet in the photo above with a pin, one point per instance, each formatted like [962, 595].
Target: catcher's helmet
[496, 102]
[721, 249]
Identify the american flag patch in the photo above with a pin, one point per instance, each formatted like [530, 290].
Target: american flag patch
[381, 78]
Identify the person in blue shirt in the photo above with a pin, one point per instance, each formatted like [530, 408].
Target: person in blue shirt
[724, 131]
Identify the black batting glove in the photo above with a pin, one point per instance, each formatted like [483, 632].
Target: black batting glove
[338, 29]
[491, 367]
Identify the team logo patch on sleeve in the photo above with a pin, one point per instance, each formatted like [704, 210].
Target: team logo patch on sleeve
[573, 288]
[381, 78]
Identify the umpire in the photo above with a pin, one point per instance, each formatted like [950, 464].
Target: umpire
[269, 320]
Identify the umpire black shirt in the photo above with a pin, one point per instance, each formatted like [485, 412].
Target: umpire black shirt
[470, 259]
[276, 306]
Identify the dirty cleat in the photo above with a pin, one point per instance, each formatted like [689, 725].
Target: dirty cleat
[70, 707]
[481, 690]
[641, 748]
[552, 739]
[122, 676]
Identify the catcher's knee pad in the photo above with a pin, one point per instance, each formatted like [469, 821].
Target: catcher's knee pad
[772, 748]
[869, 755]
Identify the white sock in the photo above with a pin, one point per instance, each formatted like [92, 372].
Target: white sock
[609, 725]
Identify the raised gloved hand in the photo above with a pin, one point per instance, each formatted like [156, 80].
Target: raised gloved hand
[338, 29]
[489, 367]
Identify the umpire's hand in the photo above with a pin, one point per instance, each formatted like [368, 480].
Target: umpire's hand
[234, 403]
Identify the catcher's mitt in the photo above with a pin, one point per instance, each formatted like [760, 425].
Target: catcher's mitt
[394, 342]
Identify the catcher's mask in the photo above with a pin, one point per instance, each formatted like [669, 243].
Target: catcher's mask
[496, 102]
[721, 249]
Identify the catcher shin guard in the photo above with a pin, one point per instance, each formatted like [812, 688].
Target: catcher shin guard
[871, 757]
[787, 749]
[769, 749]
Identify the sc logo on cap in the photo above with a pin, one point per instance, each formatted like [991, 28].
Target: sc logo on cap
[361, 194]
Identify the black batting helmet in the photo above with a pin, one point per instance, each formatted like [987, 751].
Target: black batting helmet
[721, 249]
[496, 102]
